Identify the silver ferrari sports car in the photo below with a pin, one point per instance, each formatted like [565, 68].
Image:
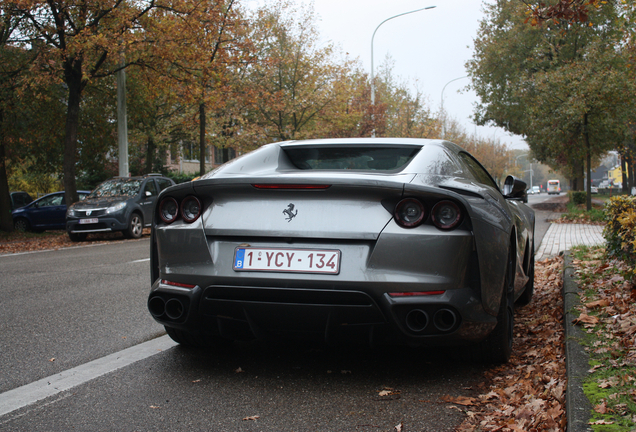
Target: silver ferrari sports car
[371, 239]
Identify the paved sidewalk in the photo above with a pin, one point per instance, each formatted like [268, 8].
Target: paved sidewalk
[561, 237]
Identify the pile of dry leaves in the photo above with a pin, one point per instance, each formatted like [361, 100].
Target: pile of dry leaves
[608, 314]
[527, 393]
[19, 242]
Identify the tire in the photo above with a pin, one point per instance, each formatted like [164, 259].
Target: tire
[526, 297]
[77, 237]
[198, 341]
[135, 226]
[21, 224]
[497, 347]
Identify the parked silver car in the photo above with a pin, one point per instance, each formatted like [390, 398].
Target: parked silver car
[388, 240]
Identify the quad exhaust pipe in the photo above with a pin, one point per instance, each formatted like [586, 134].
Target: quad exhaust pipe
[418, 320]
[444, 320]
[173, 308]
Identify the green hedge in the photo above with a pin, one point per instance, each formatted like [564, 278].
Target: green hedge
[620, 230]
[578, 197]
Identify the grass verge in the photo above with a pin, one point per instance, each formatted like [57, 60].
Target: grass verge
[608, 316]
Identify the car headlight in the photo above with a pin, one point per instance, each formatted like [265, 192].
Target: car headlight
[117, 207]
[70, 212]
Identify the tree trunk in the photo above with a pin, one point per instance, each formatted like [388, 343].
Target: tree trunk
[74, 83]
[202, 138]
[151, 149]
[624, 167]
[579, 172]
[6, 221]
[588, 185]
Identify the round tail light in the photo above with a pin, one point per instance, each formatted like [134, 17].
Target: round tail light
[190, 209]
[409, 213]
[168, 210]
[446, 215]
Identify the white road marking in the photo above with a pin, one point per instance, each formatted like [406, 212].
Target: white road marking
[141, 260]
[50, 386]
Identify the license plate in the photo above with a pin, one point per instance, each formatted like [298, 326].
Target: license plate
[89, 221]
[287, 260]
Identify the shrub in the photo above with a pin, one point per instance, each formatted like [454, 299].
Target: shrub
[181, 177]
[620, 228]
[578, 197]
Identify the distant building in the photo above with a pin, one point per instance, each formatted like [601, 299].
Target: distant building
[186, 158]
[615, 176]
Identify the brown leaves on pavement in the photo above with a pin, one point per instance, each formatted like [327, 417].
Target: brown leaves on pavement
[20, 242]
[528, 393]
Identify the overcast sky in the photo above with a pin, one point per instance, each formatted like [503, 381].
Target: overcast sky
[430, 47]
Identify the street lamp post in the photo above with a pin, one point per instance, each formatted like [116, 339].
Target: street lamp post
[530, 170]
[443, 112]
[372, 38]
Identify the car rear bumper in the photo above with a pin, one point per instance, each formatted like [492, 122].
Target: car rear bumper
[454, 317]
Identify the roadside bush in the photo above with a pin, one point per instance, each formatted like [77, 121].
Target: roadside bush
[181, 177]
[620, 228]
[578, 197]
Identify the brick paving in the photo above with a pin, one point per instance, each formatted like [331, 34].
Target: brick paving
[561, 237]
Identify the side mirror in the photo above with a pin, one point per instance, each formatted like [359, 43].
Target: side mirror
[515, 189]
[148, 194]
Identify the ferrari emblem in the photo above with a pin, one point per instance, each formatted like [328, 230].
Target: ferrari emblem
[289, 211]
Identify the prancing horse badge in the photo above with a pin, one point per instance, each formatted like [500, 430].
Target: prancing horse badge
[289, 211]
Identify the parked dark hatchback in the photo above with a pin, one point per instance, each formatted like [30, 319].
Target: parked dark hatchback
[20, 199]
[46, 213]
[120, 204]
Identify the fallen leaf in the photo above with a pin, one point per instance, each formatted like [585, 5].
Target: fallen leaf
[586, 319]
[459, 400]
[239, 370]
[601, 422]
[398, 428]
[254, 417]
[597, 303]
[601, 408]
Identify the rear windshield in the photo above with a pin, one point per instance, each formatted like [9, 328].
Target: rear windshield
[374, 158]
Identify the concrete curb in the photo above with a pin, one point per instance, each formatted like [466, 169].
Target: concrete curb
[577, 405]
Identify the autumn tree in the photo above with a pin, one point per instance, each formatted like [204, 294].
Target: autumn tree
[350, 113]
[15, 59]
[79, 41]
[293, 78]
[407, 111]
[208, 40]
[155, 108]
[562, 85]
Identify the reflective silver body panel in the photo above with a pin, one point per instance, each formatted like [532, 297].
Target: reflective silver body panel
[355, 216]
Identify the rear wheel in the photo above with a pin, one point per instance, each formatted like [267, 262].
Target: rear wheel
[135, 226]
[21, 224]
[77, 237]
[497, 347]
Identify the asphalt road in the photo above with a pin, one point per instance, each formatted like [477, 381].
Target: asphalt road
[64, 309]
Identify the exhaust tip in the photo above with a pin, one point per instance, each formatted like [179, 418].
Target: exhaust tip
[157, 306]
[444, 320]
[174, 309]
[416, 320]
